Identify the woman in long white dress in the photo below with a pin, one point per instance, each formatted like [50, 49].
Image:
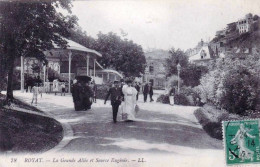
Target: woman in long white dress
[128, 107]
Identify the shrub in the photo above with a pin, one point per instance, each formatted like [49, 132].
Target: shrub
[233, 85]
[193, 95]
[173, 81]
[192, 73]
[181, 99]
[163, 99]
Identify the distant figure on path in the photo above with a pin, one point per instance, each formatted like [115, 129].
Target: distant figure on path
[35, 91]
[145, 91]
[116, 99]
[137, 87]
[63, 89]
[94, 89]
[55, 86]
[171, 95]
[150, 89]
[47, 86]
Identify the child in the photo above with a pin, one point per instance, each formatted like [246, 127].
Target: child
[35, 94]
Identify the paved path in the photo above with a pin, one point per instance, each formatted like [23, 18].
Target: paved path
[159, 128]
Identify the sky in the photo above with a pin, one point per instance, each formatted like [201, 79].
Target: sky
[161, 24]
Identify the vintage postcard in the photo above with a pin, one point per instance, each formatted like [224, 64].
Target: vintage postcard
[138, 83]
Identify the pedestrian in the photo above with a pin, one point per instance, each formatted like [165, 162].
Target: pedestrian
[35, 92]
[116, 99]
[75, 90]
[122, 84]
[94, 88]
[63, 90]
[47, 86]
[145, 91]
[171, 95]
[137, 87]
[55, 86]
[26, 84]
[129, 105]
[40, 89]
[150, 90]
[29, 84]
[86, 94]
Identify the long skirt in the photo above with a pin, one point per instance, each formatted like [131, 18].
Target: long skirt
[128, 109]
[171, 98]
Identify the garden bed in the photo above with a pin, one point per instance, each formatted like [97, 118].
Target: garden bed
[211, 119]
[24, 132]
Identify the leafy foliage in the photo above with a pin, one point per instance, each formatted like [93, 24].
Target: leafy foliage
[233, 85]
[189, 73]
[177, 56]
[121, 55]
[28, 29]
[181, 99]
[192, 73]
[173, 81]
[163, 99]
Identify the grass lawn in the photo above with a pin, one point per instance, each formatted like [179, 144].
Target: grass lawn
[24, 132]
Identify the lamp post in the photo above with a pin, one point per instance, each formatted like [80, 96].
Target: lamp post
[179, 69]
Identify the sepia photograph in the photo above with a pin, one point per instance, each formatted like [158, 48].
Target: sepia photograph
[118, 83]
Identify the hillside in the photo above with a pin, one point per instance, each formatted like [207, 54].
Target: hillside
[248, 40]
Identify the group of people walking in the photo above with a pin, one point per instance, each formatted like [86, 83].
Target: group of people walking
[125, 95]
[121, 93]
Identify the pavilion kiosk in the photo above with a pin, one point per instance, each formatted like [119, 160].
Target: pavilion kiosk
[74, 60]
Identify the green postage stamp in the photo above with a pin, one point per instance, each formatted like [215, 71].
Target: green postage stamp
[241, 141]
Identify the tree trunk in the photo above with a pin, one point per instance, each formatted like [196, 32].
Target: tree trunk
[10, 78]
[1, 73]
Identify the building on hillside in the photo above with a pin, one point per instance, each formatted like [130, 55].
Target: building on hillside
[245, 24]
[204, 55]
[194, 51]
[231, 27]
[221, 32]
[217, 47]
[156, 68]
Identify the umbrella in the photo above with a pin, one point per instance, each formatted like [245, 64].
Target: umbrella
[83, 78]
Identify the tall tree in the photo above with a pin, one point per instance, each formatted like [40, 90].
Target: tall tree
[190, 73]
[177, 56]
[81, 37]
[29, 28]
[122, 55]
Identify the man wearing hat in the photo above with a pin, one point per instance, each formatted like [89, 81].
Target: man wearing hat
[86, 93]
[75, 90]
[116, 98]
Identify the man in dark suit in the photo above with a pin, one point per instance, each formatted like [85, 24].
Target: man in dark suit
[150, 88]
[87, 96]
[145, 91]
[116, 98]
[137, 87]
[75, 90]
